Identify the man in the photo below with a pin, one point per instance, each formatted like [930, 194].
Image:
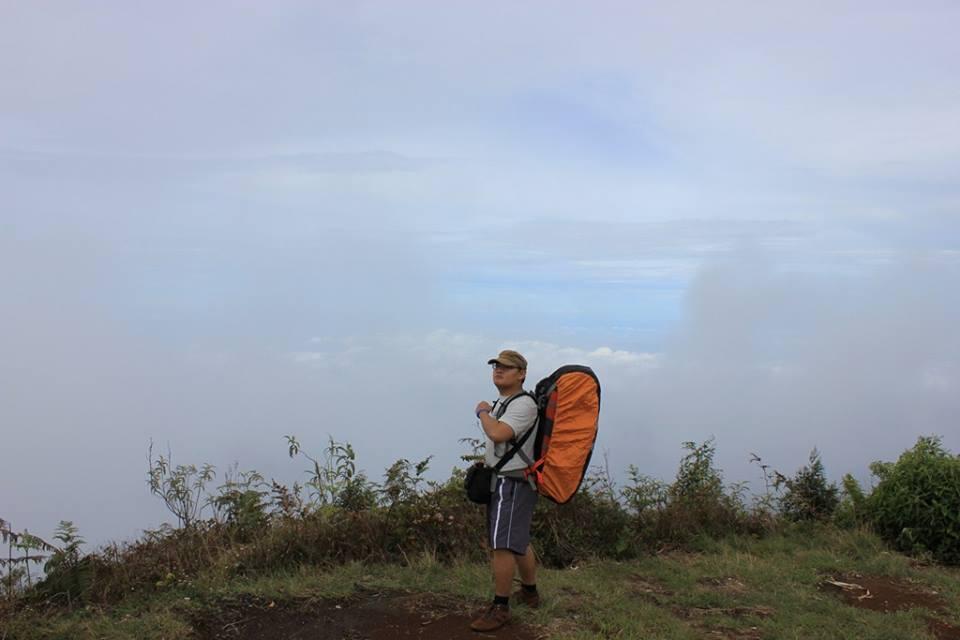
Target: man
[511, 508]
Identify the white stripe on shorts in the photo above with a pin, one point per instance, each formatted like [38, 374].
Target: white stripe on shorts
[513, 503]
[499, 504]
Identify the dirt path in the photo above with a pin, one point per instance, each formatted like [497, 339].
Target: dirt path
[880, 593]
[371, 616]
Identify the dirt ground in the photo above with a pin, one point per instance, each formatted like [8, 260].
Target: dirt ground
[370, 616]
[880, 593]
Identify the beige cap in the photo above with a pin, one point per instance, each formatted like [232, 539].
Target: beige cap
[510, 359]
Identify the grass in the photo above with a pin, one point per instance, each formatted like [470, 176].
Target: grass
[735, 588]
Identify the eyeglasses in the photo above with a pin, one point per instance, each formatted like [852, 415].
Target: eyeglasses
[501, 367]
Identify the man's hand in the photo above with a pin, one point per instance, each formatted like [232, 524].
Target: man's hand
[495, 430]
[483, 406]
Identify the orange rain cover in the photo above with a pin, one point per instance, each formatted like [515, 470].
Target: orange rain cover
[571, 441]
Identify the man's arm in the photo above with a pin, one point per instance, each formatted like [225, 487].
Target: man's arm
[495, 430]
[520, 416]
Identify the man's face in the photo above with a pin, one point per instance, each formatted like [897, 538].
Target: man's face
[507, 376]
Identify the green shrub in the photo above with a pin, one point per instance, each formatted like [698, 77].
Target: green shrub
[68, 574]
[21, 553]
[851, 512]
[916, 505]
[697, 503]
[809, 497]
[181, 488]
[239, 503]
[697, 478]
[644, 495]
[402, 480]
[334, 480]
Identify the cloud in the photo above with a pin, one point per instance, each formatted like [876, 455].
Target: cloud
[443, 354]
[85, 164]
[780, 361]
[768, 359]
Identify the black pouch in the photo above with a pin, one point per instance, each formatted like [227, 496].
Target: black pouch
[477, 483]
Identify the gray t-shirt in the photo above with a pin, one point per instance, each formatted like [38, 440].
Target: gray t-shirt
[521, 416]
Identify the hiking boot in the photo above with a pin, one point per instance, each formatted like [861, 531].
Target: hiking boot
[493, 618]
[522, 596]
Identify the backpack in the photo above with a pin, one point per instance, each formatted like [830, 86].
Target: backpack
[568, 411]
[568, 403]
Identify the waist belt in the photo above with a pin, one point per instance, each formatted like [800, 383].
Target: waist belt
[517, 475]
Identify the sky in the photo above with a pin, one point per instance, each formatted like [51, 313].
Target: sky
[224, 223]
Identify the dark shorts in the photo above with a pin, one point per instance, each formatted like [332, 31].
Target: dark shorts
[509, 515]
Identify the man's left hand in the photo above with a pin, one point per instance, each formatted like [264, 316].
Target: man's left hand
[483, 406]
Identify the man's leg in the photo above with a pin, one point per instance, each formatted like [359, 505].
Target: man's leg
[527, 564]
[504, 566]
[498, 614]
[527, 594]
[506, 520]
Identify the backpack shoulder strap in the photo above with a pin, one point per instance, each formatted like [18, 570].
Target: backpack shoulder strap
[517, 444]
[506, 403]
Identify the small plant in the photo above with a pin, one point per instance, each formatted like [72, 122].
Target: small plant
[67, 573]
[644, 494]
[335, 481]
[915, 504]
[180, 487]
[852, 509]
[697, 501]
[27, 543]
[402, 481]
[286, 502]
[697, 478]
[767, 501]
[18, 566]
[808, 496]
[477, 447]
[239, 502]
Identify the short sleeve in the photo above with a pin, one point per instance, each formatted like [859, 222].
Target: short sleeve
[521, 415]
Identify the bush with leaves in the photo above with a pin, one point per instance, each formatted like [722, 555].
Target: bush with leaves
[809, 497]
[644, 495]
[402, 480]
[697, 502]
[68, 574]
[915, 504]
[181, 488]
[239, 502]
[22, 551]
[335, 481]
[697, 478]
[851, 512]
